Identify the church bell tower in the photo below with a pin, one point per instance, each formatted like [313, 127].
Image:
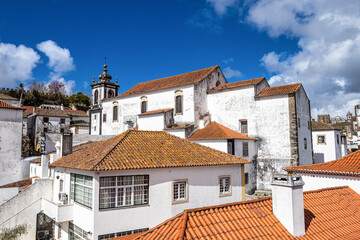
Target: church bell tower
[100, 90]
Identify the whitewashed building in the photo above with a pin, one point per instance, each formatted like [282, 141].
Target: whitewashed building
[328, 144]
[10, 143]
[10, 100]
[344, 171]
[279, 117]
[127, 184]
[224, 139]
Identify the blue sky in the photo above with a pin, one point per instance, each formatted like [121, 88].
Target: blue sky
[284, 41]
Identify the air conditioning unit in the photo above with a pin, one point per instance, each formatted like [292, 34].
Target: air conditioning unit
[63, 197]
[43, 234]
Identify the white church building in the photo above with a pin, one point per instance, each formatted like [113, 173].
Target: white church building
[279, 117]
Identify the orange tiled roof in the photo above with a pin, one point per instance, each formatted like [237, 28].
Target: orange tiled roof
[4, 104]
[348, 165]
[145, 149]
[280, 90]
[22, 184]
[215, 130]
[331, 213]
[173, 81]
[156, 111]
[242, 83]
[76, 113]
[318, 126]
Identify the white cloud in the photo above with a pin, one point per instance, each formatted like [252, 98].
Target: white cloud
[228, 60]
[229, 73]
[16, 64]
[221, 6]
[328, 60]
[60, 60]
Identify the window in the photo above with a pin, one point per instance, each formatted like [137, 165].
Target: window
[337, 139]
[77, 233]
[143, 105]
[45, 129]
[110, 94]
[305, 143]
[231, 147]
[61, 187]
[81, 189]
[321, 139]
[218, 82]
[62, 120]
[243, 126]
[61, 130]
[298, 122]
[309, 126]
[224, 185]
[120, 234]
[178, 105]
[245, 149]
[95, 117]
[123, 191]
[180, 191]
[115, 113]
[96, 98]
[46, 119]
[246, 178]
[104, 117]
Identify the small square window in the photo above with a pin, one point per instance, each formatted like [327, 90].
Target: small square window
[245, 149]
[243, 126]
[61, 130]
[62, 120]
[46, 119]
[224, 185]
[45, 130]
[321, 139]
[180, 191]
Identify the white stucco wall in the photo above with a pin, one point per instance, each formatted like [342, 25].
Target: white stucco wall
[95, 123]
[176, 132]
[328, 151]
[318, 181]
[304, 127]
[10, 145]
[7, 193]
[153, 122]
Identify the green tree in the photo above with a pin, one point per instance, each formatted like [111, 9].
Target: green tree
[81, 101]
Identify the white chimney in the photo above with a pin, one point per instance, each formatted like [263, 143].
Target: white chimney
[288, 203]
[44, 166]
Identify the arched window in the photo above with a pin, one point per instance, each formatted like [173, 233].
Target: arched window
[96, 97]
[115, 113]
[143, 104]
[110, 94]
[178, 102]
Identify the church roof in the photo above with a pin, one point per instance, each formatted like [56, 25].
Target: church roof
[215, 130]
[145, 149]
[4, 104]
[319, 126]
[168, 82]
[331, 213]
[242, 83]
[348, 165]
[280, 90]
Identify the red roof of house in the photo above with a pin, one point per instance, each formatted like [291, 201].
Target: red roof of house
[331, 213]
[54, 112]
[348, 165]
[242, 83]
[145, 149]
[7, 97]
[4, 104]
[280, 90]
[215, 130]
[173, 81]
[22, 184]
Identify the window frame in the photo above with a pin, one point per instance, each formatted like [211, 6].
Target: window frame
[321, 143]
[242, 149]
[47, 119]
[104, 117]
[229, 192]
[180, 200]
[124, 188]
[179, 94]
[115, 113]
[305, 143]
[242, 121]
[73, 232]
[143, 104]
[72, 189]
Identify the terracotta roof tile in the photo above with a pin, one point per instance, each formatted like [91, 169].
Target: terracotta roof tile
[54, 112]
[280, 90]
[156, 111]
[215, 130]
[331, 213]
[76, 113]
[318, 126]
[7, 97]
[242, 83]
[348, 165]
[22, 184]
[145, 149]
[4, 104]
[181, 126]
[173, 81]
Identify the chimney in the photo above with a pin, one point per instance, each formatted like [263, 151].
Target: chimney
[62, 107]
[288, 203]
[44, 166]
[34, 109]
[66, 144]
